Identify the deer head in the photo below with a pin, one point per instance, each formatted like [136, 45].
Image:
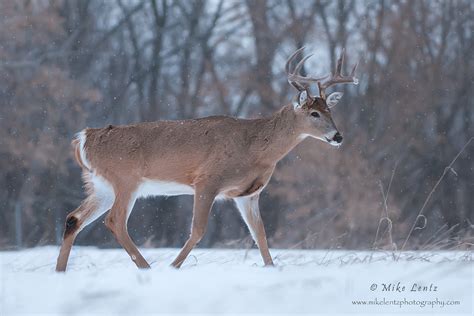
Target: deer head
[314, 112]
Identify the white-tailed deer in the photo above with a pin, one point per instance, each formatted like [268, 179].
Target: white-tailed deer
[213, 157]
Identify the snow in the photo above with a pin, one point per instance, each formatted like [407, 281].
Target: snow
[106, 282]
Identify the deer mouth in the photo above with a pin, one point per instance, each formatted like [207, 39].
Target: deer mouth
[332, 142]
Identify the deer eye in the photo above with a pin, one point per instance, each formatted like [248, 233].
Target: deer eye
[315, 114]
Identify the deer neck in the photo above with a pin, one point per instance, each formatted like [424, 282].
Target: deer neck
[280, 134]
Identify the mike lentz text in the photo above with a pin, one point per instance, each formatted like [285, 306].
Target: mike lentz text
[399, 287]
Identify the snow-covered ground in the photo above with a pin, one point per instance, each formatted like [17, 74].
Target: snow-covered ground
[214, 281]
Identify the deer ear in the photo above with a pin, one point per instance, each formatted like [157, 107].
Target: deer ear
[301, 99]
[333, 98]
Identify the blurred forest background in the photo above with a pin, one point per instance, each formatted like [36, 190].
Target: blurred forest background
[69, 64]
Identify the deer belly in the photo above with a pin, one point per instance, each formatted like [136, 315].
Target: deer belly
[155, 187]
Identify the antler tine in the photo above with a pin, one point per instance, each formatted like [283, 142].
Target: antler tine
[291, 76]
[290, 59]
[294, 78]
[354, 69]
[302, 79]
[300, 64]
[337, 76]
[340, 61]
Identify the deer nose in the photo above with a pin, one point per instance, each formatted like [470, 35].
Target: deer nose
[337, 138]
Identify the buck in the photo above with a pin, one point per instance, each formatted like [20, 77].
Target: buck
[215, 157]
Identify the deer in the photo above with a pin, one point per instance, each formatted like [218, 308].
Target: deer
[212, 158]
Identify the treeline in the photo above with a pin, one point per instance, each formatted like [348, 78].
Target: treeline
[68, 64]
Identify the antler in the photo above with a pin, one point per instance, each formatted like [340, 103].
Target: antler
[296, 80]
[337, 77]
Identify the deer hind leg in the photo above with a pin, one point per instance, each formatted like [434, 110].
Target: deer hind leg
[248, 208]
[89, 210]
[72, 228]
[116, 221]
[203, 200]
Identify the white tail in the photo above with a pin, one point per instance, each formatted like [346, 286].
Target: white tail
[212, 157]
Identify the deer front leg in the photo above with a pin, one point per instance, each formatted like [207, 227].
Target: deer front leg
[248, 208]
[203, 199]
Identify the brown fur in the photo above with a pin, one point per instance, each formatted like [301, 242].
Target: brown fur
[234, 152]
